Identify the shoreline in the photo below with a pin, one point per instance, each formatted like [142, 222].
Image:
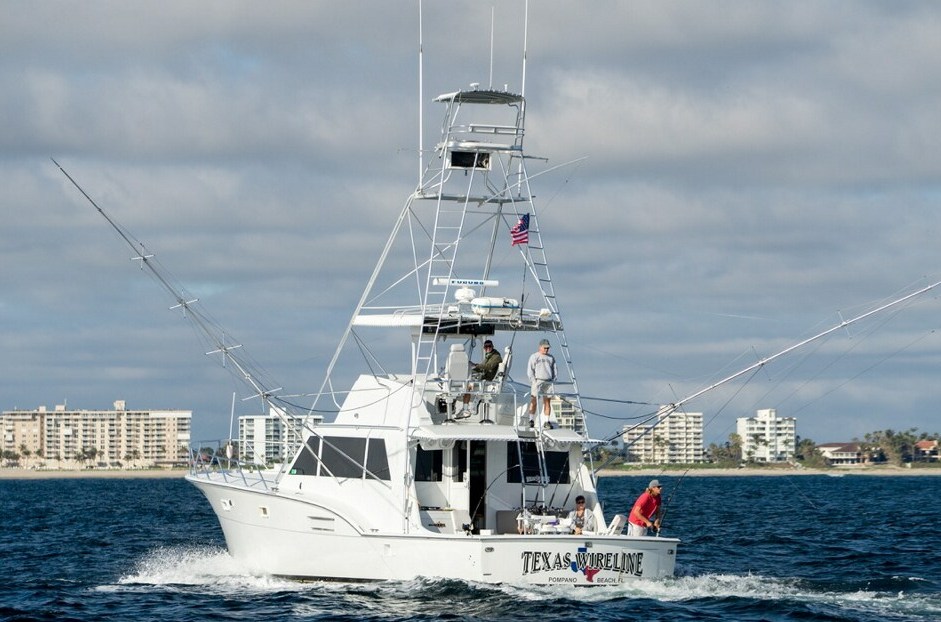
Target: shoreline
[14, 473]
[879, 471]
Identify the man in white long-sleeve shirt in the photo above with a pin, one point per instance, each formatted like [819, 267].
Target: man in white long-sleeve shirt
[541, 372]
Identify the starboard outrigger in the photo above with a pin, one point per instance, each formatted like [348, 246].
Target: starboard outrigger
[427, 469]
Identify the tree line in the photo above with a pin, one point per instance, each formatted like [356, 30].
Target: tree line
[882, 446]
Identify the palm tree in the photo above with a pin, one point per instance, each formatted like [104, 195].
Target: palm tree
[26, 453]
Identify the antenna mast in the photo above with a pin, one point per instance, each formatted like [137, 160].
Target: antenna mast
[490, 84]
[525, 43]
[421, 96]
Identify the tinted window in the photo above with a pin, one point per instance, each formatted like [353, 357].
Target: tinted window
[335, 463]
[338, 464]
[306, 462]
[377, 462]
[557, 465]
[428, 465]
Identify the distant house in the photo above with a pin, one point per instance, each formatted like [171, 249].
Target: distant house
[841, 453]
[926, 451]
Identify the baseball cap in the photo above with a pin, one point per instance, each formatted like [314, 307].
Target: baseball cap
[654, 484]
[544, 342]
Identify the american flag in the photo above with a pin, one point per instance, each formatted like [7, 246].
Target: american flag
[520, 233]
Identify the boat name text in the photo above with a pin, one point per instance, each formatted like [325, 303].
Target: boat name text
[583, 561]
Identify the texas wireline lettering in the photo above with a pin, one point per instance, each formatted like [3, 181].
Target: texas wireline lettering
[547, 561]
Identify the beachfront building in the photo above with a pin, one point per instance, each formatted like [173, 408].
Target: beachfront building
[841, 453]
[926, 450]
[767, 437]
[673, 439]
[271, 438]
[63, 438]
[564, 413]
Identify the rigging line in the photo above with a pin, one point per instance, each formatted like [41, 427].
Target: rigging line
[366, 405]
[729, 401]
[545, 205]
[869, 368]
[856, 343]
[793, 369]
[845, 354]
[616, 417]
[650, 417]
[209, 330]
[667, 502]
[804, 342]
[605, 399]
[789, 478]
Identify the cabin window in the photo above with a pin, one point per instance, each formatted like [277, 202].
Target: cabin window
[557, 465]
[330, 455]
[377, 461]
[306, 461]
[428, 465]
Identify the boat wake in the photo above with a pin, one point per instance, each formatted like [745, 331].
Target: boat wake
[206, 567]
[899, 597]
[212, 569]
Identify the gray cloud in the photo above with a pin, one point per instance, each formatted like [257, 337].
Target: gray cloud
[751, 169]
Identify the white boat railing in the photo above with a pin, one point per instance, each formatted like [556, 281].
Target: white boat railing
[216, 462]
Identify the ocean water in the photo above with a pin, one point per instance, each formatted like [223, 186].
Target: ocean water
[754, 548]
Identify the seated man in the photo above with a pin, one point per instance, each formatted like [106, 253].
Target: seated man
[487, 368]
[581, 518]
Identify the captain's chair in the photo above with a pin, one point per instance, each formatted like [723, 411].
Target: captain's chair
[504, 367]
[458, 369]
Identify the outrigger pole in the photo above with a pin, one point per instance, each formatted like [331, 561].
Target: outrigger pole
[669, 409]
[246, 370]
[207, 327]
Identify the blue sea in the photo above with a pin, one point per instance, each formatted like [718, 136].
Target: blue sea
[754, 548]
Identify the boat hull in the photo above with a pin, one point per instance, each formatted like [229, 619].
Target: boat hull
[284, 535]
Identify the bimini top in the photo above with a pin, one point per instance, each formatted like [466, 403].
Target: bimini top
[480, 97]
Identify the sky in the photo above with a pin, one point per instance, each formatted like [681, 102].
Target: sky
[736, 176]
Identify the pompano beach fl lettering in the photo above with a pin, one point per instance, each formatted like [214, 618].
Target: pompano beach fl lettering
[587, 563]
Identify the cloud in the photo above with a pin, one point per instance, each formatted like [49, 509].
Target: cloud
[750, 172]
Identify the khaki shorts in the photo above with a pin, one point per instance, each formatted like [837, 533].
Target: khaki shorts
[542, 387]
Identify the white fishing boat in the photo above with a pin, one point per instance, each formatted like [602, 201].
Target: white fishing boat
[426, 468]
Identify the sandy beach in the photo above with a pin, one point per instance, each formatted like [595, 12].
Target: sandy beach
[90, 473]
[881, 470]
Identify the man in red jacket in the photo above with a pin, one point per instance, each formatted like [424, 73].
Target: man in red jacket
[646, 511]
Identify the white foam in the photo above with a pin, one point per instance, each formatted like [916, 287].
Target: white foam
[200, 566]
[751, 587]
[214, 570]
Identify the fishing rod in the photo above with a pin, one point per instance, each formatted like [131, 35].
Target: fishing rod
[665, 504]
